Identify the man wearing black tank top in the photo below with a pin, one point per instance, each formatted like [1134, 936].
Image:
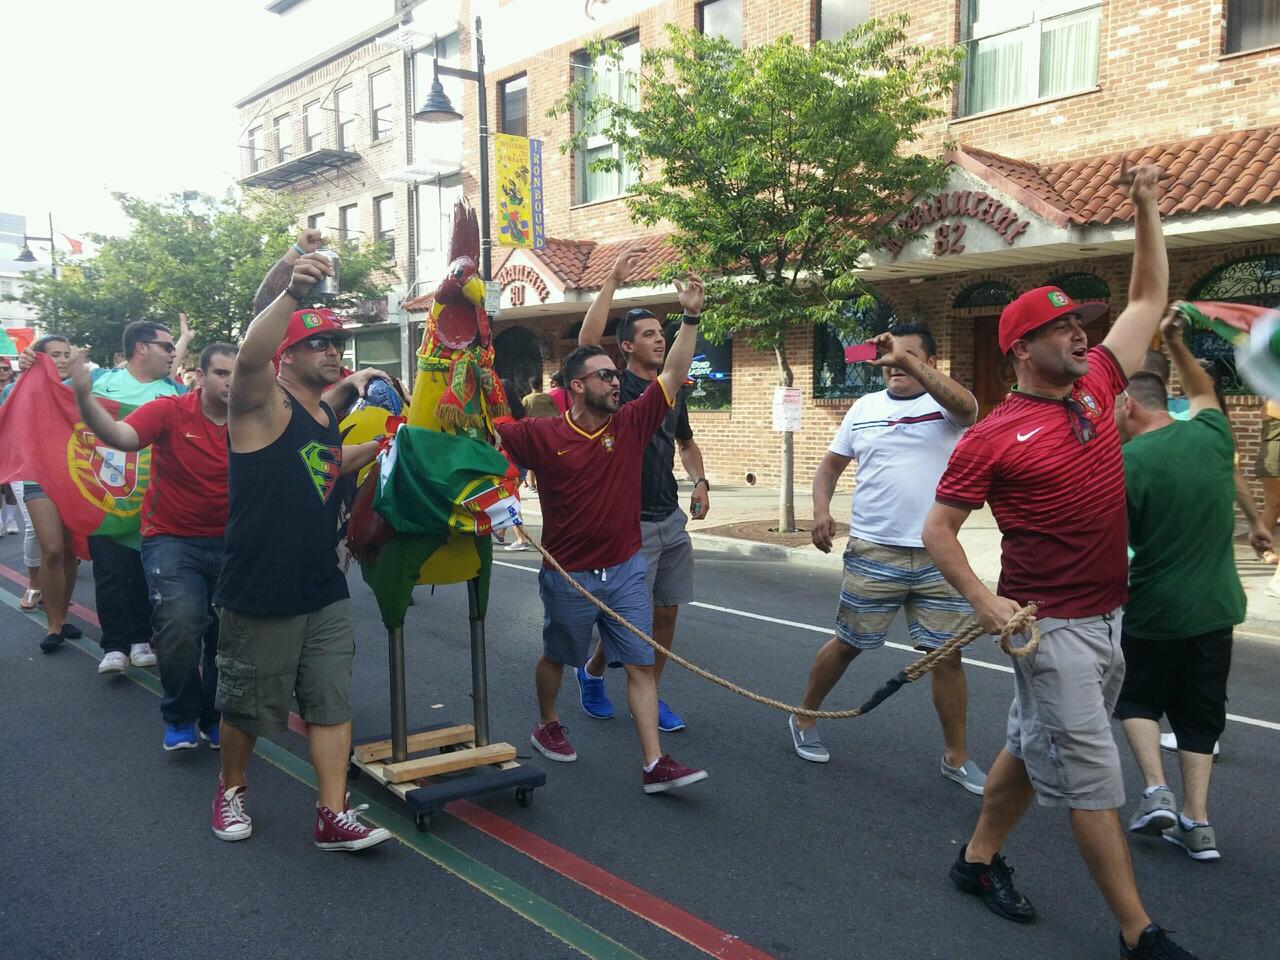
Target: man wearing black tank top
[285, 625]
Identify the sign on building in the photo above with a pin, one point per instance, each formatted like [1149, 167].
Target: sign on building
[520, 202]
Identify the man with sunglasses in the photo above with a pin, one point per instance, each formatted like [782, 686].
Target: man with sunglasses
[1048, 461]
[120, 587]
[668, 551]
[285, 624]
[588, 464]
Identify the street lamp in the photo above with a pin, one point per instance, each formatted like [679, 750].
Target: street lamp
[26, 256]
[437, 108]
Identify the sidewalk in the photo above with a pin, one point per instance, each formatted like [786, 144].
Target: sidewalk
[738, 523]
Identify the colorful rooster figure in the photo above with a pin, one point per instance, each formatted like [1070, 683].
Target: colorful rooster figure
[424, 511]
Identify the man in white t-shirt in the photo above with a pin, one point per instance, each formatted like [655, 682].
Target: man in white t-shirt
[902, 438]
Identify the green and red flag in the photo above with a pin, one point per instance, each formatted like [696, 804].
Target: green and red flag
[97, 490]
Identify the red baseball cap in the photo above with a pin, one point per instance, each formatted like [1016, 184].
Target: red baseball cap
[310, 323]
[1037, 307]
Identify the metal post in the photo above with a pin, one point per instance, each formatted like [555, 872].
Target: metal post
[399, 733]
[479, 673]
[53, 252]
[486, 244]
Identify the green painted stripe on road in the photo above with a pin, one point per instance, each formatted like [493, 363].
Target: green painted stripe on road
[563, 926]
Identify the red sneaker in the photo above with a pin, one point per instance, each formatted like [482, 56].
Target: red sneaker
[551, 742]
[230, 821]
[667, 774]
[342, 831]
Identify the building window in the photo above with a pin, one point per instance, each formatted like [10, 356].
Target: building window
[349, 222]
[1252, 24]
[1254, 280]
[988, 293]
[514, 95]
[312, 126]
[711, 373]
[832, 377]
[1082, 287]
[603, 77]
[257, 158]
[435, 202]
[284, 138]
[1020, 51]
[721, 18]
[440, 143]
[316, 222]
[838, 17]
[384, 222]
[381, 96]
[378, 348]
[346, 119]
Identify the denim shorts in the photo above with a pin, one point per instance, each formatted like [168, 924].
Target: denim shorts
[31, 491]
[568, 617]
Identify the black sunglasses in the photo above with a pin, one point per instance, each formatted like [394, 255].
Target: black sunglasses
[321, 344]
[167, 346]
[608, 375]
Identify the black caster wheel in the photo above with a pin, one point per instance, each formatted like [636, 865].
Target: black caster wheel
[524, 796]
[422, 821]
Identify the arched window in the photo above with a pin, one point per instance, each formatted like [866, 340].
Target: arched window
[1081, 286]
[517, 359]
[861, 319]
[1253, 280]
[988, 293]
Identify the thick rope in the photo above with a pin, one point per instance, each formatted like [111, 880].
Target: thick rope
[1024, 621]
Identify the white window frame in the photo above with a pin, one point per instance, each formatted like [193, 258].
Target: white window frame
[283, 122]
[344, 229]
[256, 150]
[341, 141]
[308, 135]
[824, 29]
[381, 231]
[702, 19]
[630, 67]
[1012, 16]
[389, 107]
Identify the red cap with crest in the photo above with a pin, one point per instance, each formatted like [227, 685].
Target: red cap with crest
[1037, 307]
[311, 322]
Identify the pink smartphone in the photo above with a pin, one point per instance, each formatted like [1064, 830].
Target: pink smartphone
[860, 352]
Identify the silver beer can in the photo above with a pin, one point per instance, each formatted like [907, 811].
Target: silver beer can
[330, 286]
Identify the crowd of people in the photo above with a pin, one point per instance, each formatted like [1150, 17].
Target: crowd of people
[238, 594]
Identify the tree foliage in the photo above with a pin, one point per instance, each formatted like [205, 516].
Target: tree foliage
[774, 165]
[205, 258]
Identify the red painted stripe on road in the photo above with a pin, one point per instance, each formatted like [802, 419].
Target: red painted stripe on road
[692, 930]
[661, 913]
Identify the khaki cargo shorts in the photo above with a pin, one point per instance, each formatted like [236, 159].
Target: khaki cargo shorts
[264, 662]
[1060, 719]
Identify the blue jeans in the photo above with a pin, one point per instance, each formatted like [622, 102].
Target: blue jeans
[182, 573]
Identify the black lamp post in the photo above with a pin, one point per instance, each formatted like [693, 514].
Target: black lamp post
[26, 256]
[438, 109]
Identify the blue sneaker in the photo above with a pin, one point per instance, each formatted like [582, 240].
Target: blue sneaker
[180, 736]
[668, 720]
[592, 696]
[213, 736]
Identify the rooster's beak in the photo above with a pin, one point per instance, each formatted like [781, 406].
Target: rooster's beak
[473, 290]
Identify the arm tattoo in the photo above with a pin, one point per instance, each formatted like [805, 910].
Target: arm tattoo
[273, 284]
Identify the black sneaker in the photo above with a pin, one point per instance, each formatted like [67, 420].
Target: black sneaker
[993, 882]
[51, 642]
[71, 632]
[1154, 944]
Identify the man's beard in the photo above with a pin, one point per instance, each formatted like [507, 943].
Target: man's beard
[602, 403]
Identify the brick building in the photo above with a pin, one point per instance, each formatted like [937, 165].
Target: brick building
[1055, 92]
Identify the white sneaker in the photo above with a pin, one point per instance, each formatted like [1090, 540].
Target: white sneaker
[11, 528]
[1169, 741]
[141, 655]
[113, 662]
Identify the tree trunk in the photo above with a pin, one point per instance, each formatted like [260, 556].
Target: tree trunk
[786, 489]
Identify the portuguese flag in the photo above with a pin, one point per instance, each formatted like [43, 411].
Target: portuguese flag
[97, 490]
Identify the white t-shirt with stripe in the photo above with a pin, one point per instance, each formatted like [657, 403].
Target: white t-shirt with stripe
[902, 446]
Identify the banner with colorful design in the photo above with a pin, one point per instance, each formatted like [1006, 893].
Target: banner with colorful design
[518, 161]
[97, 490]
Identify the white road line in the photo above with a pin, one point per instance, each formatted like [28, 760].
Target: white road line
[814, 628]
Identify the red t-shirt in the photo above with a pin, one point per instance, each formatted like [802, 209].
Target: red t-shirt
[1059, 503]
[589, 483]
[187, 495]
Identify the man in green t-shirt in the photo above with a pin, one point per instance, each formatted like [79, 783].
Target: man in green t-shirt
[1184, 594]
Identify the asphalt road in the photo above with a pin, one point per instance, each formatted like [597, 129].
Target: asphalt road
[107, 853]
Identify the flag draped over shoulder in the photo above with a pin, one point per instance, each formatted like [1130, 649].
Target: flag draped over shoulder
[97, 490]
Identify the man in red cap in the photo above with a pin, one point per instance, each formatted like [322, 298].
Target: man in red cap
[1048, 461]
[285, 627]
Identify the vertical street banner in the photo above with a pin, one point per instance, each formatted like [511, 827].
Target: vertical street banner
[518, 161]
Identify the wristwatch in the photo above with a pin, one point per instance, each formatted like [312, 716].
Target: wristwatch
[702, 480]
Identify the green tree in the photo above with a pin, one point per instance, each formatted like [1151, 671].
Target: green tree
[774, 166]
[204, 258]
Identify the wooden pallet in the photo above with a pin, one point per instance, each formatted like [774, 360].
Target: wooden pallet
[410, 774]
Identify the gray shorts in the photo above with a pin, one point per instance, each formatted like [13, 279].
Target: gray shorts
[264, 662]
[669, 553]
[1060, 719]
[568, 617]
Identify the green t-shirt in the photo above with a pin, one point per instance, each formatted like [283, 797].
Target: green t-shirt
[118, 384]
[1180, 481]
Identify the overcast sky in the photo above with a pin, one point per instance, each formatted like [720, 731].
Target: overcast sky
[136, 95]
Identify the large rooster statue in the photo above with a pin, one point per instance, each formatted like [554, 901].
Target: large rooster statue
[426, 506]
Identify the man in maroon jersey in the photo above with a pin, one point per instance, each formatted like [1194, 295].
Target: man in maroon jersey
[588, 466]
[1048, 461]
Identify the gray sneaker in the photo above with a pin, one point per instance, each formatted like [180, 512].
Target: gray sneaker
[1155, 813]
[807, 742]
[1199, 841]
[969, 776]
